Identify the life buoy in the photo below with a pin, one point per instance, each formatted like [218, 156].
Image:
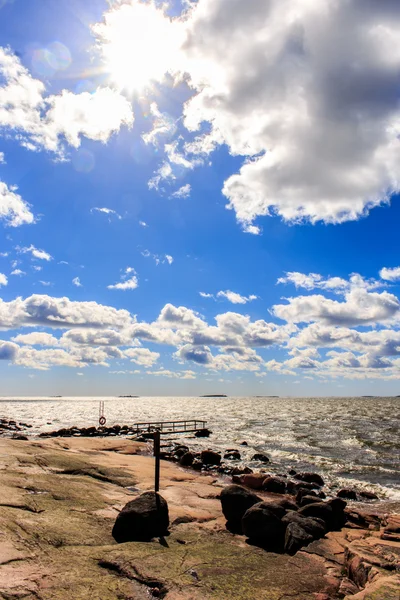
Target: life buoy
[102, 421]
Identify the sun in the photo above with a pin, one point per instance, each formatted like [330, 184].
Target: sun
[139, 45]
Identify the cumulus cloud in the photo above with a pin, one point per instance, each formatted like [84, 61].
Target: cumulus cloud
[36, 338]
[48, 122]
[308, 97]
[8, 350]
[164, 126]
[18, 272]
[3, 279]
[392, 274]
[14, 211]
[60, 313]
[142, 356]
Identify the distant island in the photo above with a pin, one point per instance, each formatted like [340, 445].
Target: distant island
[266, 396]
[214, 396]
[128, 396]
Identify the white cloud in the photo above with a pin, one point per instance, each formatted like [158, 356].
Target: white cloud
[173, 374]
[143, 224]
[2, 158]
[236, 298]
[14, 211]
[142, 356]
[164, 126]
[60, 313]
[36, 338]
[390, 274]
[159, 259]
[206, 295]
[8, 350]
[35, 252]
[76, 281]
[360, 307]
[182, 192]
[3, 279]
[46, 283]
[17, 272]
[129, 284]
[106, 211]
[308, 96]
[314, 280]
[47, 122]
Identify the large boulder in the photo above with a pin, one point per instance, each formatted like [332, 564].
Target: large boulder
[295, 538]
[142, 519]
[347, 493]
[309, 499]
[210, 458]
[262, 525]
[339, 517]
[202, 433]
[321, 510]
[312, 525]
[235, 501]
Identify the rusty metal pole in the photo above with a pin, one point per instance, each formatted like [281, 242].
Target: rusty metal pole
[157, 460]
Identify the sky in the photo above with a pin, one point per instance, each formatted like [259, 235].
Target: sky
[199, 197]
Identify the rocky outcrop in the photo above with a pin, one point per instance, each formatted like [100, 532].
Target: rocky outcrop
[142, 519]
[262, 524]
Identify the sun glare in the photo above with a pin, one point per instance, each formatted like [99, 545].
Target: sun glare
[139, 44]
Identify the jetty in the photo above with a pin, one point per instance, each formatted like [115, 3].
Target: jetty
[187, 426]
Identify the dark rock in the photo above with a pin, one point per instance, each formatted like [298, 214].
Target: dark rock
[308, 500]
[261, 458]
[244, 443]
[142, 519]
[235, 500]
[197, 465]
[253, 480]
[286, 504]
[312, 525]
[261, 525]
[209, 457]
[19, 437]
[368, 495]
[339, 517]
[310, 478]
[321, 510]
[304, 492]
[292, 472]
[347, 493]
[179, 451]
[294, 486]
[202, 433]
[295, 538]
[241, 471]
[187, 459]
[275, 485]
[232, 455]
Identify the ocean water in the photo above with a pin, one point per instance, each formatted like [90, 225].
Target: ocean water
[351, 441]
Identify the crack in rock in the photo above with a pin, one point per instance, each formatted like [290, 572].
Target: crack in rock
[156, 587]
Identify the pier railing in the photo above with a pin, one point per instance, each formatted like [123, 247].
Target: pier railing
[169, 426]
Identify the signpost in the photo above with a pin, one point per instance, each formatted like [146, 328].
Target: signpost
[157, 460]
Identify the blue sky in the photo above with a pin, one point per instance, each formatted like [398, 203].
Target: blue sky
[196, 200]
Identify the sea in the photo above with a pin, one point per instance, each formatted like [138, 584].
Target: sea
[352, 442]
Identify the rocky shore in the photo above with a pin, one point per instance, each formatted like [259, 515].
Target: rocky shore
[60, 500]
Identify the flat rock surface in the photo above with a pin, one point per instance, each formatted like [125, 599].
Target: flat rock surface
[58, 503]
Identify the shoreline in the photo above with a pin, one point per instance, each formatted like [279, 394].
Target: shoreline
[59, 499]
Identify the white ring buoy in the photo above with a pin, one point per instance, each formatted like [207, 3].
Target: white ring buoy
[102, 421]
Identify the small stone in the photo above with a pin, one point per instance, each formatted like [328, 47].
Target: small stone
[261, 457]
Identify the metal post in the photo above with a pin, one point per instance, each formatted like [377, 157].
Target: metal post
[157, 460]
